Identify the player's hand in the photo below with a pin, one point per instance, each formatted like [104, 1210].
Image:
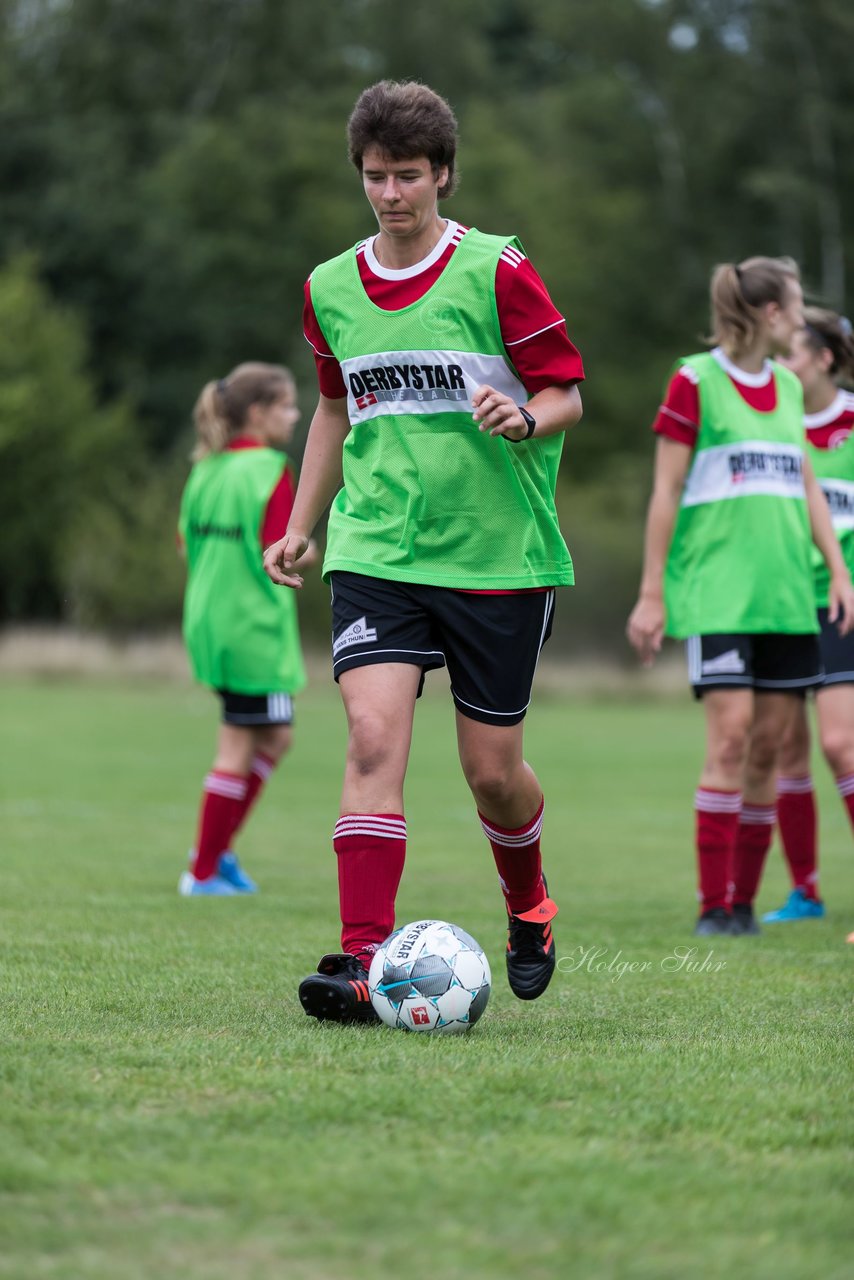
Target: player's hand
[645, 628]
[498, 414]
[281, 557]
[840, 604]
[309, 557]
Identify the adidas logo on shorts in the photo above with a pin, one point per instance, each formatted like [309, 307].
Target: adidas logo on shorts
[729, 663]
[357, 633]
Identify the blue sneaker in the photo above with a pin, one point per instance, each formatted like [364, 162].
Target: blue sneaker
[230, 869]
[213, 887]
[796, 907]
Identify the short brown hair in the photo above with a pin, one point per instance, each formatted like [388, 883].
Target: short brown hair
[405, 119]
[740, 291]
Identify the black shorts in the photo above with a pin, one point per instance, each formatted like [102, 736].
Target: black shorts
[837, 652]
[490, 643]
[772, 663]
[256, 710]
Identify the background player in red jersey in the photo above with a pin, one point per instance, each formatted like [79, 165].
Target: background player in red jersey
[738, 569]
[395, 616]
[822, 357]
[241, 637]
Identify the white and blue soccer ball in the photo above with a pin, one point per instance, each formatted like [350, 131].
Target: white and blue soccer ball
[430, 976]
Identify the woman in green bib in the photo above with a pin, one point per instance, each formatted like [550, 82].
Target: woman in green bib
[241, 634]
[823, 358]
[734, 511]
[447, 382]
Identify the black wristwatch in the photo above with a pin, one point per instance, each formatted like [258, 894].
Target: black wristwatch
[532, 426]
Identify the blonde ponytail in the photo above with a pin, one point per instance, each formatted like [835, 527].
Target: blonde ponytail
[740, 291]
[212, 430]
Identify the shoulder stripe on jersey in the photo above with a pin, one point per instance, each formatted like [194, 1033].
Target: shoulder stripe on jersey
[688, 371]
[529, 336]
[512, 256]
[327, 355]
[678, 417]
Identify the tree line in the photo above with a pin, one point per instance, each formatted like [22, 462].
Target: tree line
[171, 172]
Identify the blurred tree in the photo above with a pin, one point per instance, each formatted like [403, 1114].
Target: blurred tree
[178, 169]
[121, 569]
[59, 451]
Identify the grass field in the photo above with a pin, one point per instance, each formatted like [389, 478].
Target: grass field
[166, 1109]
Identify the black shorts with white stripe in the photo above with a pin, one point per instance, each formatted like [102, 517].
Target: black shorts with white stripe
[490, 643]
[256, 710]
[837, 652]
[768, 663]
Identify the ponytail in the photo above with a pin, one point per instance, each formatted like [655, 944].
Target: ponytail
[222, 408]
[740, 291]
[212, 429]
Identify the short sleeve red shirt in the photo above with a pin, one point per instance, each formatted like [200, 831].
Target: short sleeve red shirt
[678, 416]
[533, 330]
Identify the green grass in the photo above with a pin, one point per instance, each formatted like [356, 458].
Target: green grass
[166, 1110]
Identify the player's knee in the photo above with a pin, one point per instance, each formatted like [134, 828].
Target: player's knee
[730, 746]
[490, 781]
[794, 757]
[276, 741]
[371, 744]
[764, 751]
[837, 745]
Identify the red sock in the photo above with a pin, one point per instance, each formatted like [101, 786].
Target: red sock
[371, 849]
[845, 785]
[222, 802]
[262, 767]
[717, 825]
[755, 831]
[796, 818]
[516, 851]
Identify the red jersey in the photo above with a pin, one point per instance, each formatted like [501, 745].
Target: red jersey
[678, 415]
[533, 330]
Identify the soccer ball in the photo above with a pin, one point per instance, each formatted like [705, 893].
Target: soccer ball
[430, 976]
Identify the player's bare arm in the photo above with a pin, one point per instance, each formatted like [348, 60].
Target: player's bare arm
[553, 409]
[841, 594]
[320, 479]
[645, 627]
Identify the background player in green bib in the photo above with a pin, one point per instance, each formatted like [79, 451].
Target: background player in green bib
[447, 382]
[727, 566]
[241, 633]
[822, 357]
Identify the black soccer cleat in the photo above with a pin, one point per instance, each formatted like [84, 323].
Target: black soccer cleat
[338, 992]
[531, 950]
[743, 920]
[715, 922]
